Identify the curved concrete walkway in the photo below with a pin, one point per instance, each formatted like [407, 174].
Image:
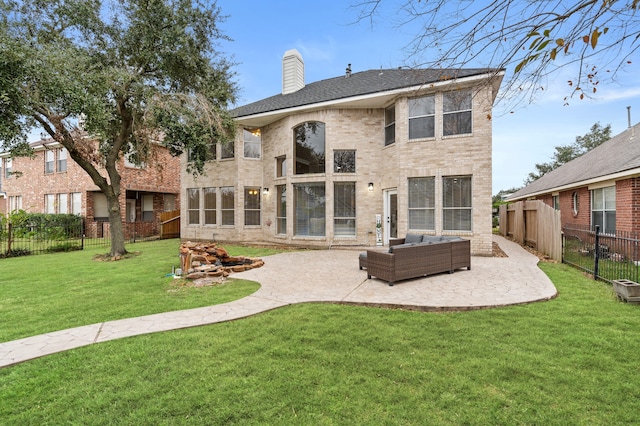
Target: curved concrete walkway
[322, 276]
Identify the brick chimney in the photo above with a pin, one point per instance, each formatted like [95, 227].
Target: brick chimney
[292, 72]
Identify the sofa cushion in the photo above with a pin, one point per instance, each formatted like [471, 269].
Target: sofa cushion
[413, 238]
[401, 246]
[431, 238]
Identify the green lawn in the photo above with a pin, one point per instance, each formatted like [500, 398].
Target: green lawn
[44, 293]
[565, 361]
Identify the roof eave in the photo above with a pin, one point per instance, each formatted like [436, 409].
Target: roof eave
[626, 174]
[264, 118]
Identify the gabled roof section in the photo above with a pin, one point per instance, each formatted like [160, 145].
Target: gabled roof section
[357, 85]
[615, 158]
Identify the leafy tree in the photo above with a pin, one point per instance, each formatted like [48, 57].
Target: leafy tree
[140, 71]
[596, 136]
[534, 39]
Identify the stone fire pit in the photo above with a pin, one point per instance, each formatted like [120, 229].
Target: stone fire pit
[207, 260]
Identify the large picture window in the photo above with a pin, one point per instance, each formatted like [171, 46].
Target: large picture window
[252, 206]
[209, 195]
[309, 202]
[281, 209]
[422, 203]
[389, 125]
[344, 209]
[227, 205]
[422, 117]
[457, 203]
[252, 143]
[309, 148]
[603, 209]
[193, 206]
[456, 109]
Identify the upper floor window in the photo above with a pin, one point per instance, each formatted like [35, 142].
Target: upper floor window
[422, 117]
[252, 143]
[556, 201]
[603, 209]
[204, 152]
[8, 165]
[309, 149]
[389, 125]
[457, 203]
[49, 159]
[344, 161]
[456, 110]
[62, 160]
[227, 150]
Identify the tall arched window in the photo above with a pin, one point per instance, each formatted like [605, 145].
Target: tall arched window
[309, 148]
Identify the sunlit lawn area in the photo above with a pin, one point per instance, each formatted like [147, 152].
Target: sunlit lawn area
[565, 361]
[51, 292]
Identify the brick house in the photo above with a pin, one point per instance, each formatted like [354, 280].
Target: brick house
[53, 183]
[352, 161]
[601, 187]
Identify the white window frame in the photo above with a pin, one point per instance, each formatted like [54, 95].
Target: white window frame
[415, 113]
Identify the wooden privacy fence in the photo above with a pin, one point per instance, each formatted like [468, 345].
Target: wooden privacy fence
[535, 224]
[170, 224]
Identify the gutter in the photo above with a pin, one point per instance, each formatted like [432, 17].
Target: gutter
[614, 177]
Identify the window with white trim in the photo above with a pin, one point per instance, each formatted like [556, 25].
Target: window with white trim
[76, 203]
[309, 209]
[210, 206]
[422, 203]
[49, 161]
[193, 206]
[422, 117]
[344, 209]
[456, 113]
[252, 206]
[457, 203]
[15, 203]
[389, 125]
[147, 208]
[281, 209]
[63, 203]
[62, 160]
[603, 209]
[227, 205]
[252, 143]
[49, 203]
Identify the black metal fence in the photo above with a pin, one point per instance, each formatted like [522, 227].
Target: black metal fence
[40, 238]
[605, 256]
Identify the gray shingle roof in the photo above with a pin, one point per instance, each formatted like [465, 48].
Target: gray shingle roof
[358, 84]
[619, 154]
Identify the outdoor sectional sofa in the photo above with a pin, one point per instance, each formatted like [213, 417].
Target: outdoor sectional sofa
[417, 256]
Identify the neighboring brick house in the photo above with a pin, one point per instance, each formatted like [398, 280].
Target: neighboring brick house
[53, 183]
[321, 164]
[601, 187]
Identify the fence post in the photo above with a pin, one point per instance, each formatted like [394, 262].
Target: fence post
[597, 256]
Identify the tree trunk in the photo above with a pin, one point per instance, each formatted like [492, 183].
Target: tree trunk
[116, 225]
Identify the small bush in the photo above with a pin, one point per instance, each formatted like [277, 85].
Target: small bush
[15, 253]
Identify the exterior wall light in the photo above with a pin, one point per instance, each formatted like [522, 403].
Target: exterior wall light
[265, 191]
[370, 186]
